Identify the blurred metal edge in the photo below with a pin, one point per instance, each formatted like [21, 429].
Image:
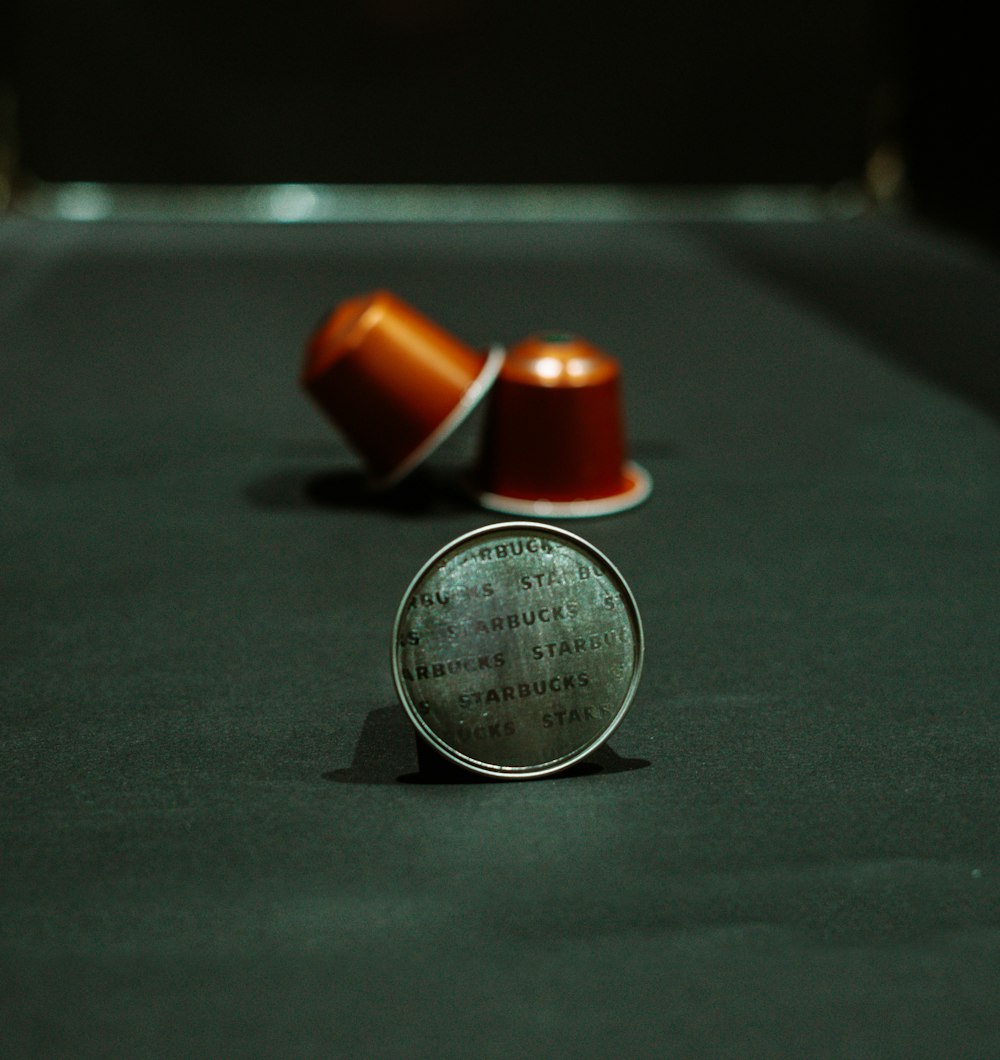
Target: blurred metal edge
[319, 203]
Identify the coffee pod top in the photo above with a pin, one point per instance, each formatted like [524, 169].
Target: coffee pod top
[517, 650]
[395, 383]
[554, 443]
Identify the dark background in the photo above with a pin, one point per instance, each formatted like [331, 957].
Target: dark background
[477, 91]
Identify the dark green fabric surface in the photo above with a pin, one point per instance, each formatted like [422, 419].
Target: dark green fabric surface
[215, 839]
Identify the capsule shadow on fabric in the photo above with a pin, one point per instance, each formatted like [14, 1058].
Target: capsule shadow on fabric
[394, 383]
[554, 441]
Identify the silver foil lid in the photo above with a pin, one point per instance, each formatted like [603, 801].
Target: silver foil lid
[517, 649]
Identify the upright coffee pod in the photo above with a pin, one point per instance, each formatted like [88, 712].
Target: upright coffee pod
[517, 650]
[554, 442]
[393, 382]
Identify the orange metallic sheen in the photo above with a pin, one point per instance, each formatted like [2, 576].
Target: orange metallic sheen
[555, 428]
[391, 380]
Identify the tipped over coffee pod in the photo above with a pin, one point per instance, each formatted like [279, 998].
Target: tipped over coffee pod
[517, 650]
[393, 382]
[554, 440]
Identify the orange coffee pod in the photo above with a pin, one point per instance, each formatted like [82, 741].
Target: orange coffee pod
[554, 441]
[393, 382]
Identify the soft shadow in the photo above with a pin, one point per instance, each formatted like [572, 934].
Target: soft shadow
[385, 748]
[424, 492]
[937, 322]
[434, 769]
[650, 450]
[388, 751]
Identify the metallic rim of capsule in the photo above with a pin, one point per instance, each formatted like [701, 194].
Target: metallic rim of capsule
[545, 768]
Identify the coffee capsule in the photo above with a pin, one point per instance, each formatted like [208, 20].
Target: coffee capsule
[554, 440]
[517, 650]
[393, 382]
